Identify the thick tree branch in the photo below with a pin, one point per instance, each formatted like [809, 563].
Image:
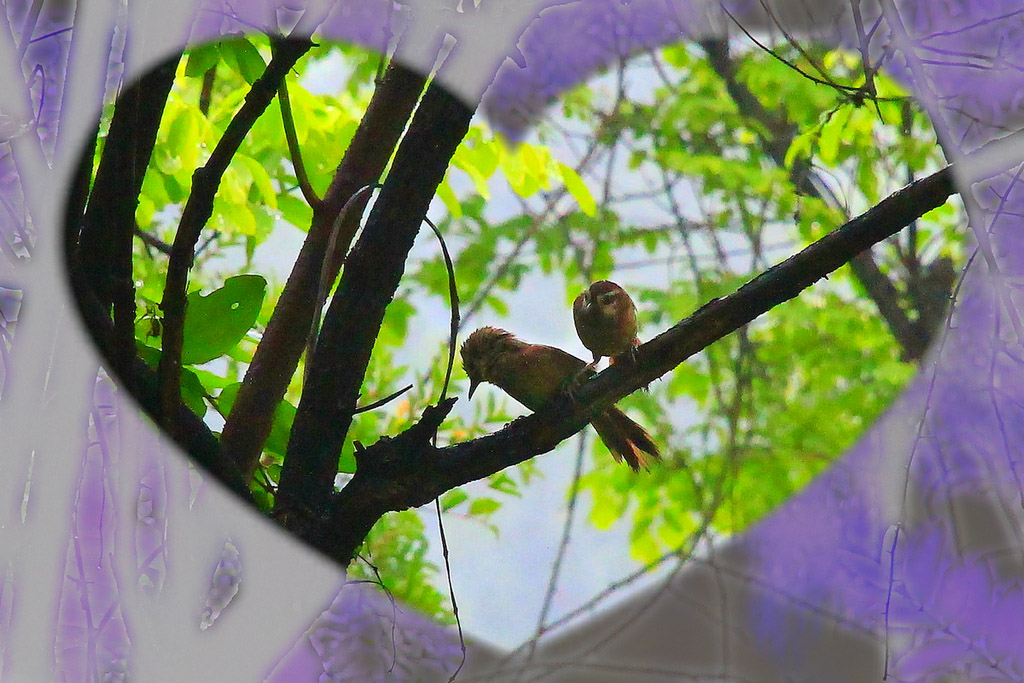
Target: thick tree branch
[103, 255]
[277, 355]
[368, 284]
[197, 212]
[110, 215]
[406, 471]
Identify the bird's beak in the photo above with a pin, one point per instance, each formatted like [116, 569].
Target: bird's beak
[473, 384]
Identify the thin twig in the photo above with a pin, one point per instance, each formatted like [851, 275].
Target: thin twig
[864, 41]
[849, 89]
[795, 44]
[152, 241]
[380, 402]
[394, 609]
[563, 548]
[453, 299]
[51, 34]
[324, 282]
[451, 589]
[453, 294]
[293, 147]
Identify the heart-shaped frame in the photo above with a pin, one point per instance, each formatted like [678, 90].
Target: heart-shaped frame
[864, 520]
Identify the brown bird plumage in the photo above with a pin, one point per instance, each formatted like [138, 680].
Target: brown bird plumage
[533, 374]
[605, 320]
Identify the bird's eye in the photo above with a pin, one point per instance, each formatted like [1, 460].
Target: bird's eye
[607, 298]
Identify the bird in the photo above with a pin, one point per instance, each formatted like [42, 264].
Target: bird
[533, 374]
[605, 318]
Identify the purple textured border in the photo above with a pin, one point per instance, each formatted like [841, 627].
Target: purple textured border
[838, 543]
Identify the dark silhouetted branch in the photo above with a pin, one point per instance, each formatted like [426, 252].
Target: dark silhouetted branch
[368, 284]
[197, 212]
[407, 471]
[102, 259]
[277, 355]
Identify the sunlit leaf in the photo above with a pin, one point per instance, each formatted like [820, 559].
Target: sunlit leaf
[214, 323]
[576, 187]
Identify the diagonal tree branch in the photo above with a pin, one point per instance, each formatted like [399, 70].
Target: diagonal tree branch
[407, 471]
[197, 212]
[278, 353]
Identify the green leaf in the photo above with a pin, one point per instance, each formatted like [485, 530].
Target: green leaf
[243, 56]
[603, 515]
[799, 148]
[201, 59]
[504, 483]
[483, 506]
[233, 218]
[144, 212]
[347, 463]
[295, 211]
[512, 166]
[452, 499]
[193, 394]
[260, 178]
[444, 191]
[183, 138]
[211, 380]
[574, 184]
[216, 322]
[832, 134]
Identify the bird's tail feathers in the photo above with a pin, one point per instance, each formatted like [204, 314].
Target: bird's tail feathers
[626, 439]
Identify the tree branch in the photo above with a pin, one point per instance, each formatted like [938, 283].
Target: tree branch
[407, 471]
[152, 241]
[293, 147]
[197, 212]
[277, 355]
[367, 285]
[103, 255]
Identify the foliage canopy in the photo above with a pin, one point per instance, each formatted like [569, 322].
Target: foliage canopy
[680, 173]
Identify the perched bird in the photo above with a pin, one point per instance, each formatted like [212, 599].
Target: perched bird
[533, 374]
[605, 320]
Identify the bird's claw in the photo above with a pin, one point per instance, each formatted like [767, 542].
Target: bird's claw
[573, 382]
